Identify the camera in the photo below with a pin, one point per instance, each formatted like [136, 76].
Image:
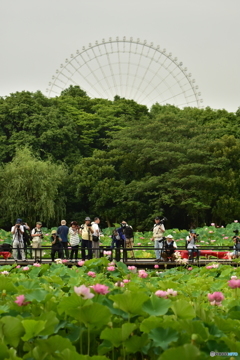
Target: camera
[89, 225]
[162, 239]
[162, 221]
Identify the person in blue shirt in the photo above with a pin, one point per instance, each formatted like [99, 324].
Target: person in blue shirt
[62, 231]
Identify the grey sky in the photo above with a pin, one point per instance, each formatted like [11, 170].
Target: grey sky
[38, 35]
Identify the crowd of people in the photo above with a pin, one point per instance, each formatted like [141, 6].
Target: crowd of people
[86, 238]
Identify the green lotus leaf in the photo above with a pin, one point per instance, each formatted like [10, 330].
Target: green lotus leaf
[163, 337]
[130, 302]
[183, 310]
[117, 335]
[156, 306]
[11, 329]
[186, 352]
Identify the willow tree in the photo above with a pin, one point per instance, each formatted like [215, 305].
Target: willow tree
[32, 189]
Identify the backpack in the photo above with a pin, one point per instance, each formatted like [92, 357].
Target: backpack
[26, 236]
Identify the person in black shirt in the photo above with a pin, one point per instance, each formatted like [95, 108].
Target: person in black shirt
[128, 233]
[56, 245]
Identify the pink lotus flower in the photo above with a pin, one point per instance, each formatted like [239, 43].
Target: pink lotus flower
[190, 268]
[81, 263]
[1, 240]
[234, 283]
[111, 268]
[92, 274]
[119, 284]
[202, 241]
[210, 232]
[131, 268]
[161, 293]
[18, 267]
[25, 268]
[171, 292]
[139, 244]
[142, 274]
[100, 289]
[213, 240]
[212, 224]
[83, 291]
[213, 266]
[156, 266]
[37, 264]
[5, 272]
[236, 221]
[107, 253]
[141, 238]
[225, 237]
[64, 261]
[126, 281]
[20, 300]
[216, 298]
[233, 277]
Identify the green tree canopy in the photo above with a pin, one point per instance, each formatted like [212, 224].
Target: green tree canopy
[32, 189]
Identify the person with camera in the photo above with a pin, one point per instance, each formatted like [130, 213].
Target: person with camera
[37, 236]
[86, 232]
[158, 231]
[74, 239]
[169, 247]
[56, 242]
[62, 231]
[17, 230]
[236, 247]
[129, 240]
[26, 238]
[96, 237]
[191, 240]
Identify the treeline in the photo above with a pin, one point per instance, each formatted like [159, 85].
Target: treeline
[72, 156]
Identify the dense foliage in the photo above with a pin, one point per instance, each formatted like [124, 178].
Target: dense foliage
[116, 159]
[103, 311]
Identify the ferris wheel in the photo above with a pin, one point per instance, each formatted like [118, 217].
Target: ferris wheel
[132, 69]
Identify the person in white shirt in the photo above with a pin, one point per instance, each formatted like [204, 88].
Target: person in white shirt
[169, 246]
[37, 237]
[158, 231]
[191, 244]
[96, 237]
[17, 230]
[74, 239]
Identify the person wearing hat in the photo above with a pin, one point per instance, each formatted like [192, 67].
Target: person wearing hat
[37, 236]
[18, 245]
[86, 232]
[74, 239]
[169, 247]
[191, 240]
[56, 242]
[158, 231]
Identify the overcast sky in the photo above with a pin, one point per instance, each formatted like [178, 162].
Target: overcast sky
[38, 35]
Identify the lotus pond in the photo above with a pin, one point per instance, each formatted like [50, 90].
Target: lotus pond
[100, 310]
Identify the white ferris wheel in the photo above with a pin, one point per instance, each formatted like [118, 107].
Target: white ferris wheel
[132, 69]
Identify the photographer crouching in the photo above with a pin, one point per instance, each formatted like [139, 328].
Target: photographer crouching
[169, 247]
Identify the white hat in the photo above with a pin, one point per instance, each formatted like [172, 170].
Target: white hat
[169, 237]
